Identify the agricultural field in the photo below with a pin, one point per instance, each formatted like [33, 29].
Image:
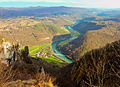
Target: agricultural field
[31, 31]
[34, 49]
[44, 49]
[51, 59]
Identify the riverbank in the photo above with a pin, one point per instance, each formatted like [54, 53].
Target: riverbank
[56, 52]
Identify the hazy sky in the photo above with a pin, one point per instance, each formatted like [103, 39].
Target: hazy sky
[73, 3]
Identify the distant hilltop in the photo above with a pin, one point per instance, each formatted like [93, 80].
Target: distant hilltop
[45, 11]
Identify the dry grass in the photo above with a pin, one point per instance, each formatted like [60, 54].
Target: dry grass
[5, 74]
[32, 32]
[25, 75]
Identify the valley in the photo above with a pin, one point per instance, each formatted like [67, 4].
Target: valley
[94, 33]
[59, 47]
[64, 43]
[38, 33]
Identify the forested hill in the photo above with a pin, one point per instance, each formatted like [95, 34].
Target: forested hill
[94, 34]
[97, 68]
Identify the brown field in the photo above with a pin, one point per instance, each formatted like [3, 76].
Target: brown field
[29, 31]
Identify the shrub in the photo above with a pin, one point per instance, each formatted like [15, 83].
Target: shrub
[99, 68]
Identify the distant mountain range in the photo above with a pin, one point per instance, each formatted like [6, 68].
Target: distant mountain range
[54, 11]
[110, 13]
[46, 11]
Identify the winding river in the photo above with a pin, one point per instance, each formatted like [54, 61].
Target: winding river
[57, 52]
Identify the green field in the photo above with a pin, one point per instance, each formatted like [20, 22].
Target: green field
[34, 49]
[51, 28]
[51, 59]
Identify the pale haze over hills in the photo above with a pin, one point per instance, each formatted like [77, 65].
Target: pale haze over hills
[69, 3]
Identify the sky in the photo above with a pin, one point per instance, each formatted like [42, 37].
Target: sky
[69, 3]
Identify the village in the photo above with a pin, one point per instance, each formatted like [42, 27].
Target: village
[41, 55]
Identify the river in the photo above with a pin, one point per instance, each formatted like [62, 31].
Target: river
[57, 52]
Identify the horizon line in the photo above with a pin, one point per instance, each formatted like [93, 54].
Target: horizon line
[58, 6]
